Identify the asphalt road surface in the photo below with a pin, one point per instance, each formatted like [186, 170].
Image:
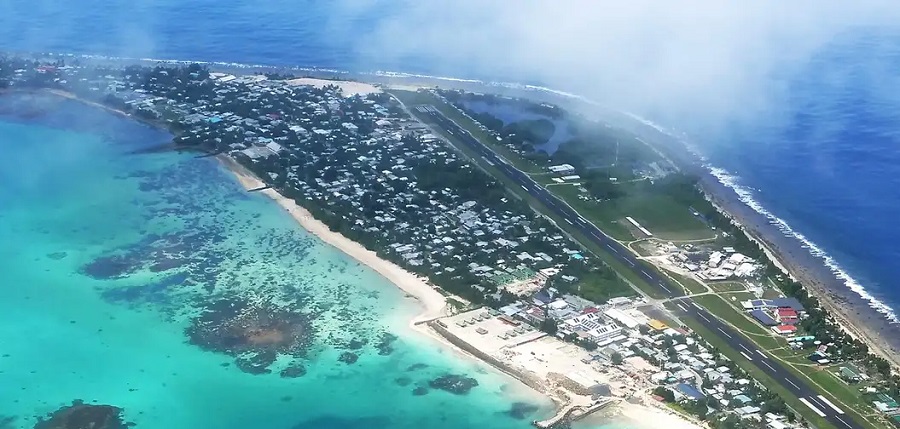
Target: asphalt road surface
[688, 308]
[807, 395]
[554, 204]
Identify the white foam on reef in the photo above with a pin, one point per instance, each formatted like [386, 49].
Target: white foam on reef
[744, 193]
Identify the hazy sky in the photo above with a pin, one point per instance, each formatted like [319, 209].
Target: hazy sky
[711, 61]
[707, 63]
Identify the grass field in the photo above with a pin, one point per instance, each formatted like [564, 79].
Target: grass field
[728, 286]
[693, 286]
[790, 399]
[413, 98]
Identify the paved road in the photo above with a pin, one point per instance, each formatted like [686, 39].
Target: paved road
[807, 395]
[688, 307]
[554, 204]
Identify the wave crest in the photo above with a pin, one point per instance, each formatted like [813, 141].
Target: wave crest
[744, 193]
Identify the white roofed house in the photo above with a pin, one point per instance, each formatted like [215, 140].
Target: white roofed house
[274, 147]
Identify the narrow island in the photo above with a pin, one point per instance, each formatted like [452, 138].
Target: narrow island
[587, 260]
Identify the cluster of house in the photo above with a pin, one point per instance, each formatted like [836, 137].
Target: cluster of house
[712, 265]
[781, 314]
[687, 367]
[882, 402]
[357, 157]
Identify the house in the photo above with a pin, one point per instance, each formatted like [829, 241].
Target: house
[785, 329]
[763, 318]
[850, 374]
[791, 303]
[689, 392]
[786, 315]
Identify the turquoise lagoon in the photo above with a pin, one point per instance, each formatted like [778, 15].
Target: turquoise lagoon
[109, 250]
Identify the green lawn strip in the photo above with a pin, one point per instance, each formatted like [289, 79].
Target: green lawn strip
[766, 342]
[846, 394]
[604, 256]
[735, 298]
[455, 115]
[693, 286]
[796, 357]
[726, 349]
[758, 334]
[728, 286]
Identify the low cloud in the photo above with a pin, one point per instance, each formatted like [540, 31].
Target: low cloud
[707, 64]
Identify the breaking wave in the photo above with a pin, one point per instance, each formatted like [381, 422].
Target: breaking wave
[744, 193]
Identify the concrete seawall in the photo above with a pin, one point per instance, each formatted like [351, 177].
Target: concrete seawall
[527, 379]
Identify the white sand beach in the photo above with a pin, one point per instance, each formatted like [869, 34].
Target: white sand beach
[432, 301]
[435, 305]
[642, 416]
[348, 88]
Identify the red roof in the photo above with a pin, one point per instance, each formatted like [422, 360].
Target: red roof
[589, 310]
[787, 313]
[786, 329]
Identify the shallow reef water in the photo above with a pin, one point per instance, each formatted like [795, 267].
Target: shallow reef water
[152, 283]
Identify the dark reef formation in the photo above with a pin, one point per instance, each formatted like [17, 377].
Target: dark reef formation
[385, 343]
[453, 383]
[293, 371]
[416, 367]
[7, 422]
[55, 256]
[521, 410]
[337, 422]
[420, 391]
[253, 332]
[348, 358]
[84, 416]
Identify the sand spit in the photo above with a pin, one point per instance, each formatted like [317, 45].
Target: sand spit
[348, 88]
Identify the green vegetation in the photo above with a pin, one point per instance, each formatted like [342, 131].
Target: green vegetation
[594, 285]
[726, 349]
[728, 286]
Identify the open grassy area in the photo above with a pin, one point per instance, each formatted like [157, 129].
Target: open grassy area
[412, 98]
[692, 286]
[770, 293]
[666, 218]
[790, 399]
[719, 307]
[735, 298]
[728, 286]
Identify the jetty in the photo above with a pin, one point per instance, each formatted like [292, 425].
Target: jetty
[572, 413]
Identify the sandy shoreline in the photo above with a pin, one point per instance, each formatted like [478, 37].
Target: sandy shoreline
[434, 305]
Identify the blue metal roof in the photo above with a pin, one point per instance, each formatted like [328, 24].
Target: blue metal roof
[763, 318]
[689, 391]
[788, 303]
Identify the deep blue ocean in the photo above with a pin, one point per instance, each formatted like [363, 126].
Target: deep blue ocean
[830, 172]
